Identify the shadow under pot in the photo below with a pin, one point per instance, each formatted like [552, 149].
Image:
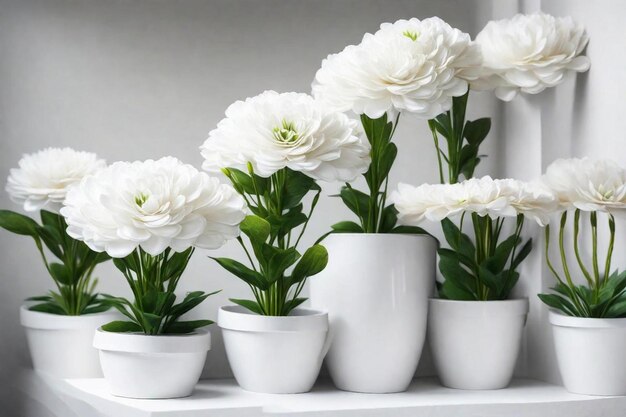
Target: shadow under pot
[274, 354]
[151, 367]
[475, 344]
[591, 353]
[62, 346]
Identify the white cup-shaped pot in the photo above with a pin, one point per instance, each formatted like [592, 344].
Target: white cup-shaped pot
[61, 346]
[475, 344]
[591, 353]
[141, 366]
[375, 289]
[274, 355]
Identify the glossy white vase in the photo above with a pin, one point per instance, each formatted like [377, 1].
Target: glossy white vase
[475, 344]
[591, 353]
[152, 367]
[274, 355]
[375, 289]
[61, 346]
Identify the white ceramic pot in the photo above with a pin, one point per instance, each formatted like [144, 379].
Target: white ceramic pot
[375, 289]
[475, 344]
[591, 353]
[274, 355]
[140, 366]
[61, 346]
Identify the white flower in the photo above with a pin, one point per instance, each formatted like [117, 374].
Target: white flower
[588, 185]
[290, 130]
[152, 204]
[484, 196]
[530, 53]
[43, 178]
[410, 65]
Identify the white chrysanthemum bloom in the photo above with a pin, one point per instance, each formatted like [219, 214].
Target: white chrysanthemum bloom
[273, 131]
[154, 205]
[588, 185]
[410, 65]
[483, 196]
[532, 199]
[43, 178]
[530, 53]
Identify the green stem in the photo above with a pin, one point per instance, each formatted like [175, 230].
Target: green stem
[609, 254]
[433, 131]
[576, 251]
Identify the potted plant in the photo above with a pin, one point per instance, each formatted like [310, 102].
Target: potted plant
[273, 148]
[409, 66]
[59, 325]
[474, 329]
[588, 305]
[149, 216]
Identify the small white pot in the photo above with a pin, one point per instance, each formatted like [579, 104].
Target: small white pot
[475, 344]
[274, 355]
[140, 366]
[62, 345]
[376, 289]
[591, 353]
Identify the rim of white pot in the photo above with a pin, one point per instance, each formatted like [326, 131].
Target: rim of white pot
[512, 307]
[199, 341]
[49, 321]
[382, 236]
[300, 319]
[559, 319]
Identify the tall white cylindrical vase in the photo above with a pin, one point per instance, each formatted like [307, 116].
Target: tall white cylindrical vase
[375, 289]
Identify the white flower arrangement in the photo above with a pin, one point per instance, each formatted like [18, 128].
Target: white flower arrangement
[412, 65]
[483, 268]
[273, 131]
[587, 187]
[41, 184]
[43, 177]
[150, 216]
[529, 53]
[153, 204]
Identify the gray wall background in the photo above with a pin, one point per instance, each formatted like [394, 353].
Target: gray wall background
[147, 78]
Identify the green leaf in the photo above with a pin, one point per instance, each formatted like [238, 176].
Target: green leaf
[279, 262]
[248, 304]
[457, 240]
[185, 327]
[389, 219]
[347, 227]
[191, 301]
[356, 201]
[18, 223]
[559, 303]
[122, 327]
[60, 273]
[49, 307]
[477, 130]
[243, 272]
[312, 262]
[409, 230]
[291, 304]
[256, 228]
[297, 185]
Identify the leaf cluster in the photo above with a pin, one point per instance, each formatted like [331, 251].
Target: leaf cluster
[371, 209]
[75, 288]
[463, 139]
[482, 271]
[153, 281]
[277, 218]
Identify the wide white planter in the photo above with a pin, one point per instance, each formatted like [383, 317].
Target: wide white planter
[140, 366]
[591, 353]
[375, 289]
[61, 346]
[475, 344]
[274, 355]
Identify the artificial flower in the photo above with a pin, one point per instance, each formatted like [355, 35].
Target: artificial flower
[588, 185]
[530, 53]
[410, 65]
[273, 131]
[483, 196]
[43, 178]
[154, 205]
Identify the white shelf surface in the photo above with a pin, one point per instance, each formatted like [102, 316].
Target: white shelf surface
[425, 397]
